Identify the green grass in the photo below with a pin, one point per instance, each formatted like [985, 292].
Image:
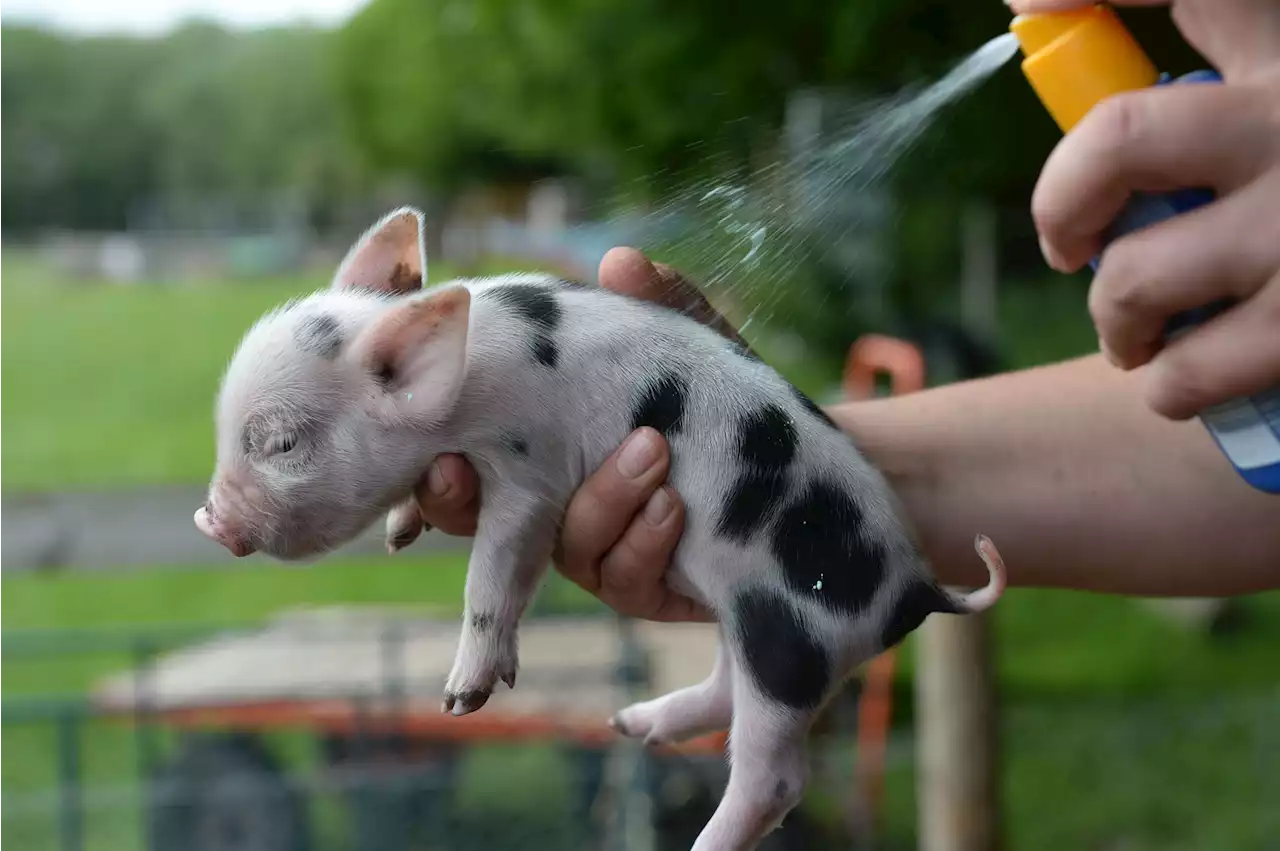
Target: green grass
[40, 657]
[114, 386]
[159, 599]
[1119, 730]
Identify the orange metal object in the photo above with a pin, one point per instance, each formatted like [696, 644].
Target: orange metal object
[872, 355]
[417, 719]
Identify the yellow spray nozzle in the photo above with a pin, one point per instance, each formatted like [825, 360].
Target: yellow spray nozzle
[1076, 59]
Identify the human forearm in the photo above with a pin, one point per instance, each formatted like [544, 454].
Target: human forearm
[1078, 483]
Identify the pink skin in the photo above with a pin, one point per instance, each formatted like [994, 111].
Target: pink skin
[215, 530]
[221, 519]
[311, 448]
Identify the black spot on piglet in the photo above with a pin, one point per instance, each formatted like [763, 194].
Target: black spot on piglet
[767, 438]
[918, 601]
[742, 350]
[661, 405]
[820, 544]
[786, 662]
[766, 446]
[812, 407]
[320, 334]
[537, 306]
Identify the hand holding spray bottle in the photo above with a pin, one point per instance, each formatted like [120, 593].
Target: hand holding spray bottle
[1076, 59]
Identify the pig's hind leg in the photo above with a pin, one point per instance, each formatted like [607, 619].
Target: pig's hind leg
[784, 671]
[782, 675]
[703, 708]
[514, 538]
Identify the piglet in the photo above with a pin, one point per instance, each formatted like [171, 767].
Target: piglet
[334, 406]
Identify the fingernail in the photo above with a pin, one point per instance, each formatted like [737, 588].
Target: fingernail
[436, 481]
[1052, 257]
[658, 508]
[1108, 354]
[639, 454]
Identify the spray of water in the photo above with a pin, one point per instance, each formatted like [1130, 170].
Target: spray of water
[785, 211]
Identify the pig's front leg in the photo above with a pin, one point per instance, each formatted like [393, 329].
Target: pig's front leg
[514, 538]
[404, 525]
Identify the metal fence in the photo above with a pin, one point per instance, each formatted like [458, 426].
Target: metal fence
[368, 769]
[162, 754]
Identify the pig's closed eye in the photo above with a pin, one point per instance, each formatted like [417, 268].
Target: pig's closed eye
[282, 444]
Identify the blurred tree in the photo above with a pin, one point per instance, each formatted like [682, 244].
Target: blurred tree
[97, 130]
[657, 91]
[643, 95]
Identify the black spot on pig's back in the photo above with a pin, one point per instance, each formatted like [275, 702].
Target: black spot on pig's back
[537, 306]
[661, 404]
[767, 438]
[812, 407]
[820, 546]
[742, 350]
[766, 448]
[787, 663]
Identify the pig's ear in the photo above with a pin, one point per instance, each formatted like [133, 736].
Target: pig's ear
[390, 257]
[416, 355]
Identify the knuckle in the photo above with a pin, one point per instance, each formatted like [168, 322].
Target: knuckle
[1121, 291]
[622, 569]
[638, 559]
[1180, 387]
[1268, 305]
[1117, 123]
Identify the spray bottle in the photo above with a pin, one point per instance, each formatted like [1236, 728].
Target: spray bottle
[1075, 59]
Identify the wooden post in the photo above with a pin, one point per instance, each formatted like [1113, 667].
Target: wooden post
[870, 356]
[956, 735]
[957, 777]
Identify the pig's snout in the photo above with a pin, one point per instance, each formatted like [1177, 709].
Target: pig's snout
[217, 529]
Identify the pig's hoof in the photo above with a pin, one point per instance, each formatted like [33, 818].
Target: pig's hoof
[466, 702]
[476, 673]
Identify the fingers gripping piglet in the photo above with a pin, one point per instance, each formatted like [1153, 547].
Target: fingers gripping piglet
[335, 405]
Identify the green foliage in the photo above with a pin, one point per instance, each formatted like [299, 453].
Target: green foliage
[98, 131]
[659, 90]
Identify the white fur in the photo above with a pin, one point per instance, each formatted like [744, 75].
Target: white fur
[360, 463]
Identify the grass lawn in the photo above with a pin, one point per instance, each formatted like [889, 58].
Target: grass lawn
[1119, 730]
